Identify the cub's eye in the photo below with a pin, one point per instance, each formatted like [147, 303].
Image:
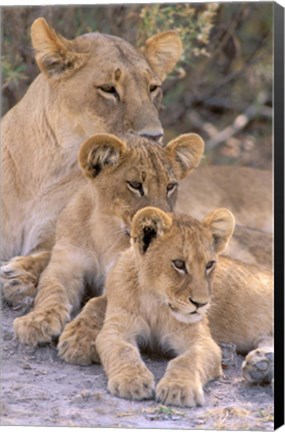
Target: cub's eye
[210, 265]
[109, 89]
[136, 186]
[179, 265]
[171, 187]
[153, 87]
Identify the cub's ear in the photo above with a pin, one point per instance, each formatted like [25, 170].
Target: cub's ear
[148, 224]
[186, 152]
[55, 55]
[163, 52]
[100, 151]
[221, 223]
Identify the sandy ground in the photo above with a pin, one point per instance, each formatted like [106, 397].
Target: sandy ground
[39, 389]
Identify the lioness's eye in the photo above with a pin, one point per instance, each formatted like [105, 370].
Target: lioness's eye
[179, 265]
[210, 265]
[136, 186]
[153, 87]
[171, 187]
[108, 88]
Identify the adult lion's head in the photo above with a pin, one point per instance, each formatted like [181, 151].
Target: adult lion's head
[102, 82]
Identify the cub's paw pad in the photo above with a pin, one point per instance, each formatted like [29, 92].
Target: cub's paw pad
[18, 286]
[77, 344]
[138, 386]
[258, 366]
[10, 270]
[188, 394]
[38, 327]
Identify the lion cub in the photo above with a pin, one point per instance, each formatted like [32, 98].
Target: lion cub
[157, 295]
[123, 177]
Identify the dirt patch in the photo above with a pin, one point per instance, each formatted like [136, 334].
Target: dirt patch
[39, 389]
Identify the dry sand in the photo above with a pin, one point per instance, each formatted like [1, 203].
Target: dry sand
[39, 389]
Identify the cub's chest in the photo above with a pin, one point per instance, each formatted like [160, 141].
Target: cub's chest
[158, 328]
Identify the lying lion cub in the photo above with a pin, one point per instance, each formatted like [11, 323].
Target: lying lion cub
[158, 294]
[94, 227]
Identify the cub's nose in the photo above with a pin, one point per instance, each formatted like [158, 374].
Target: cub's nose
[197, 304]
[155, 134]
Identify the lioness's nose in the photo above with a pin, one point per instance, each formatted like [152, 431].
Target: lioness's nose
[155, 134]
[197, 304]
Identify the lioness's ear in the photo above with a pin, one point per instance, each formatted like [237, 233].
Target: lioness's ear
[55, 55]
[221, 223]
[186, 152]
[148, 224]
[99, 151]
[163, 52]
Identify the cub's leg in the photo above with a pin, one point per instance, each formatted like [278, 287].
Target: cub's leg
[20, 277]
[182, 383]
[258, 366]
[128, 377]
[77, 342]
[59, 291]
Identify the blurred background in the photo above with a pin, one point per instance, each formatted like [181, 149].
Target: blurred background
[221, 88]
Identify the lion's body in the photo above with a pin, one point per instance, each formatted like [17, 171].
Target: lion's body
[241, 309]
[40, 172]
[247, 192]
[137, 314]
[252, 246]
[151, 301]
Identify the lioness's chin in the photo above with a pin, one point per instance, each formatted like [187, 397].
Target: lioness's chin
[188, 319]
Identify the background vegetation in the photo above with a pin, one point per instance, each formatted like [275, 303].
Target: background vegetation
[222, 88]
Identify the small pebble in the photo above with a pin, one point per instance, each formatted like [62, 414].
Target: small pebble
[26, 366]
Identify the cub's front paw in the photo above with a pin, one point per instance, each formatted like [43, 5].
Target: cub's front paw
[40, 326]
[132, 384]
[258, 366]
[19, 286]
[77, 343]
[188, 393]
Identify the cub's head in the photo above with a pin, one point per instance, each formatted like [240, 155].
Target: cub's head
[127, 175]
[176, 256]
[102, 83]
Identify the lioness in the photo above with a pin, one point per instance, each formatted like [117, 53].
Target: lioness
[158, 294]
[92, 84]
[94, 227]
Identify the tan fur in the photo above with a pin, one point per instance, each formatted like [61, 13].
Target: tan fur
[64, 105]
[241, 298]
[247, 192]
[241, 313]
[241, 309]
[40, 139]
[122, 177]
[69, 101]
[157, 295]
[253, 246]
